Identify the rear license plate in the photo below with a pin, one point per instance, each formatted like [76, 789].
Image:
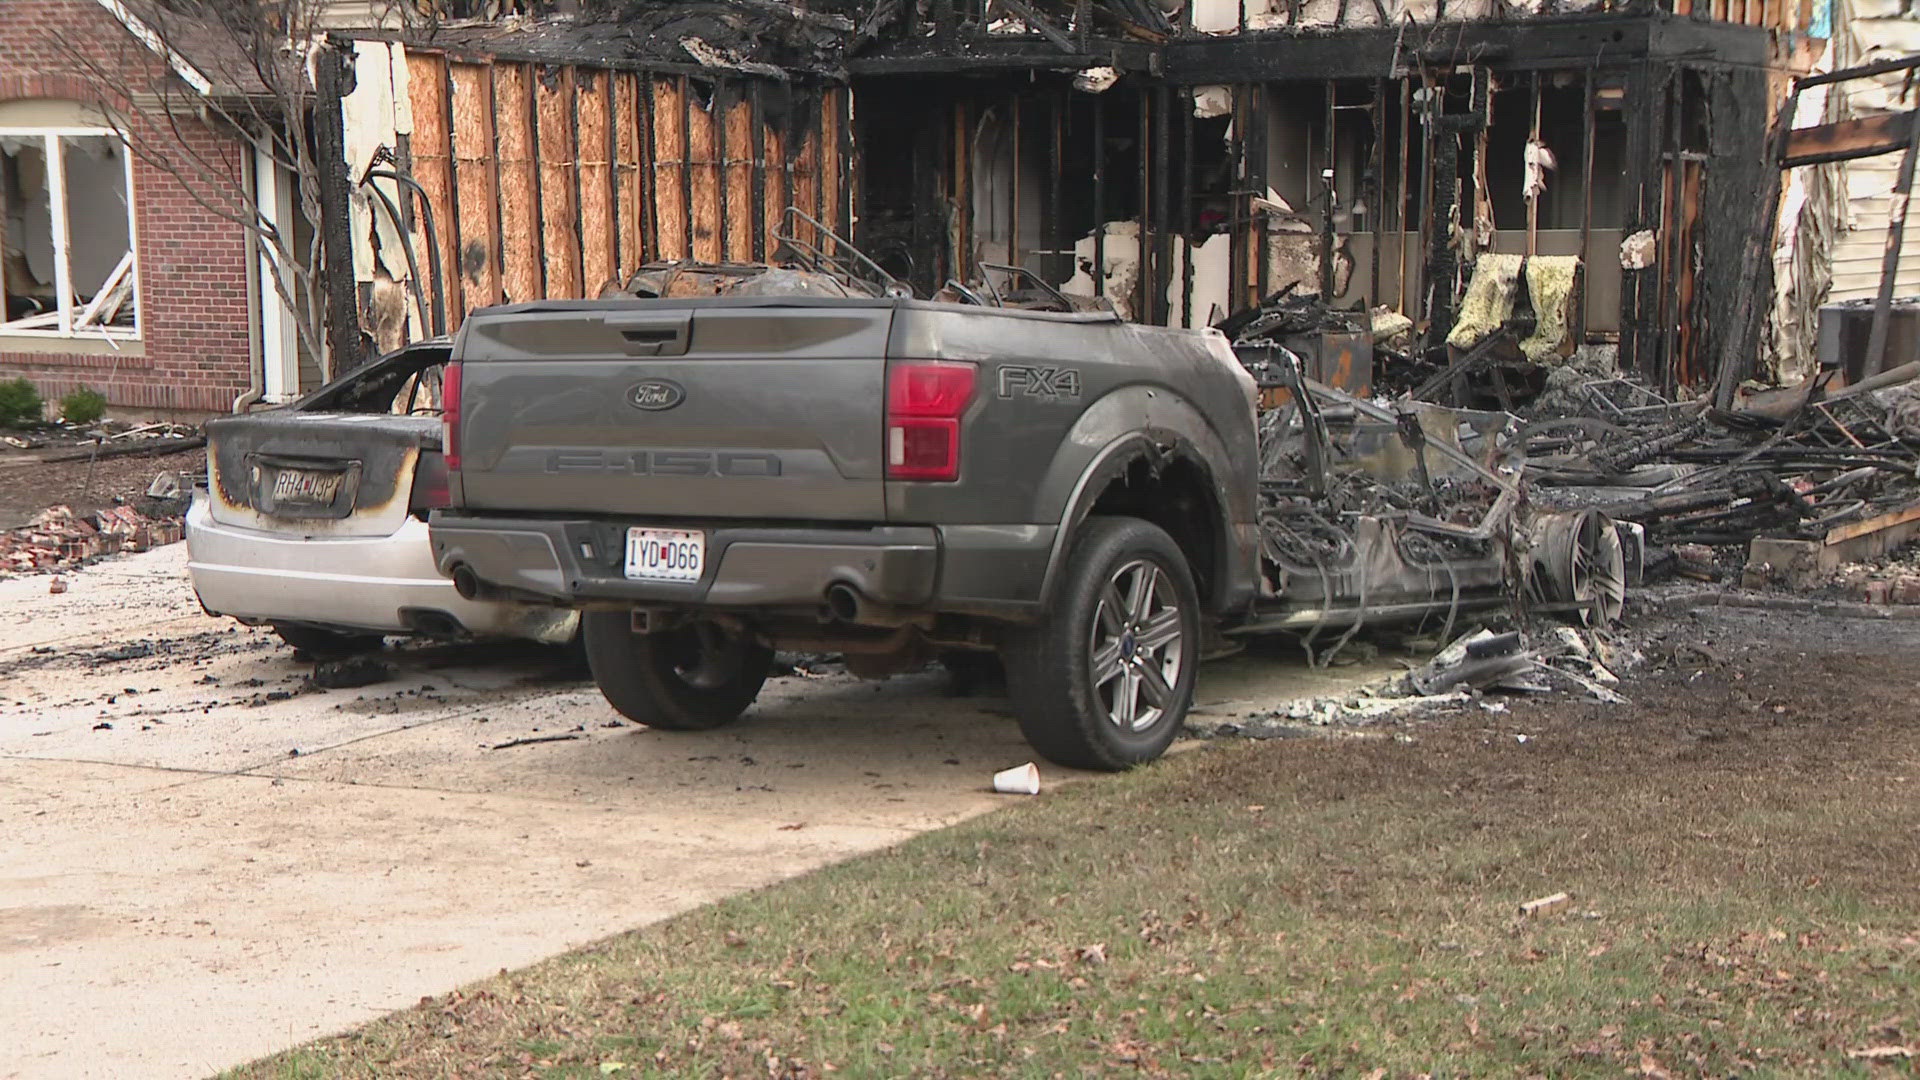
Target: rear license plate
[306, 486]
[666, 554]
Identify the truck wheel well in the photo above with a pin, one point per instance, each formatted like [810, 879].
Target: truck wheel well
[1176, 496]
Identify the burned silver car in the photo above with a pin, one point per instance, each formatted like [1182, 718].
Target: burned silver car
[313, 520]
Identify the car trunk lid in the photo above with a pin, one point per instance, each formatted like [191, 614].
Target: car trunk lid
[317, 474]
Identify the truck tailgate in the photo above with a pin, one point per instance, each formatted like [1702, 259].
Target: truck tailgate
[701, 409]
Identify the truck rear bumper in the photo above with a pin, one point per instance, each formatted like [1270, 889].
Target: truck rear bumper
[584, 560]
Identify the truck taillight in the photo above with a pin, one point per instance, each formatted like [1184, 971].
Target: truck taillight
[450, 413]
[925, 400]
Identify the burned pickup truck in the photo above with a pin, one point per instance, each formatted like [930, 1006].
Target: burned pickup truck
[1098, 502]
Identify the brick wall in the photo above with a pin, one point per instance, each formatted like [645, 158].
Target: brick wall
[193, 355]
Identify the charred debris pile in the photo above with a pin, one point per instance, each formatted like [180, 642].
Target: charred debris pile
[1806, 465]
[1779, 489]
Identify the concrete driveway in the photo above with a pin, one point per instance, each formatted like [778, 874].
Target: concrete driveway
[207, 859]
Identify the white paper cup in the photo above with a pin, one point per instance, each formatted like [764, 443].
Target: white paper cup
[1019, 780]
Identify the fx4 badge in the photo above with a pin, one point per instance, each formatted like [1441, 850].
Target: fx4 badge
[1050, 383]
[656, 395]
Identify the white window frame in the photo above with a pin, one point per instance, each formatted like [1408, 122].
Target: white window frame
[69, 311]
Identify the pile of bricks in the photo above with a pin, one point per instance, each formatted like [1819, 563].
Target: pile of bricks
[1894, 580]
[58, 538]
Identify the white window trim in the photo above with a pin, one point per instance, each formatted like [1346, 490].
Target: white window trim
[55, 152]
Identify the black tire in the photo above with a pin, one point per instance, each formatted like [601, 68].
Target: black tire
[319, 642]
[690, 678]
[1075, 719]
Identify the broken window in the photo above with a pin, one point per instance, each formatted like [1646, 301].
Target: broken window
[67, 265]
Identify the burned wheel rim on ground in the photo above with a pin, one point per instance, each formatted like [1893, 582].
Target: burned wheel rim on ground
[1105, 681]
[1138, 646]
[693, 676]
[1579, 562]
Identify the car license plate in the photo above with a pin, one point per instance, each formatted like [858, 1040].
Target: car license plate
[305, 486]
[666, 554]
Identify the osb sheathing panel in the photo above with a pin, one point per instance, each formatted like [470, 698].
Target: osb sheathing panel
[554, 180]
[702, 145]
[739, 166]
[475, 180]
[629, 191]
[433, 169]
[669, 155]
[519, 184]
[597, 214]
[553, 93]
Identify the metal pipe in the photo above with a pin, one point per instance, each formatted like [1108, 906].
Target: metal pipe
[434, 268]
[406, 248]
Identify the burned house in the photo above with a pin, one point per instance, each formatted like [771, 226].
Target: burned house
[1186, 161]
[1181, 160]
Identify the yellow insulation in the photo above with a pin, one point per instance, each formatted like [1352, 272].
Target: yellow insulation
[1490, 296]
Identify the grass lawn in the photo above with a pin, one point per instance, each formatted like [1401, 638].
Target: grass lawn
[1743, 851]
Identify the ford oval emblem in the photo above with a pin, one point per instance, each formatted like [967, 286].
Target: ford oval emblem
[656, 395]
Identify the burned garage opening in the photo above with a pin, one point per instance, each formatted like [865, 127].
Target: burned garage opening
[1044, 176]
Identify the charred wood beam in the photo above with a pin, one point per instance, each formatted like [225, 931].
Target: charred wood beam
[1541, 43]
[969, 56]
[1882, 67]
[333, 80]
[1443, 258]
[1099, 197]
[1640, 289]
[929, 219]
[1042, 26]
[1744, 320]
[759, 208]
[1846, 140]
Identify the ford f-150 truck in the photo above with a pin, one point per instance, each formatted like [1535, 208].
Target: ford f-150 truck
[712, 479]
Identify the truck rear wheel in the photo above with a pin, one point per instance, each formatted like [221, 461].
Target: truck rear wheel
[695, 676]
[1105, 681]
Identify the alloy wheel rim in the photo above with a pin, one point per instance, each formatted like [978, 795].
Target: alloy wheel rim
[1138, 646]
